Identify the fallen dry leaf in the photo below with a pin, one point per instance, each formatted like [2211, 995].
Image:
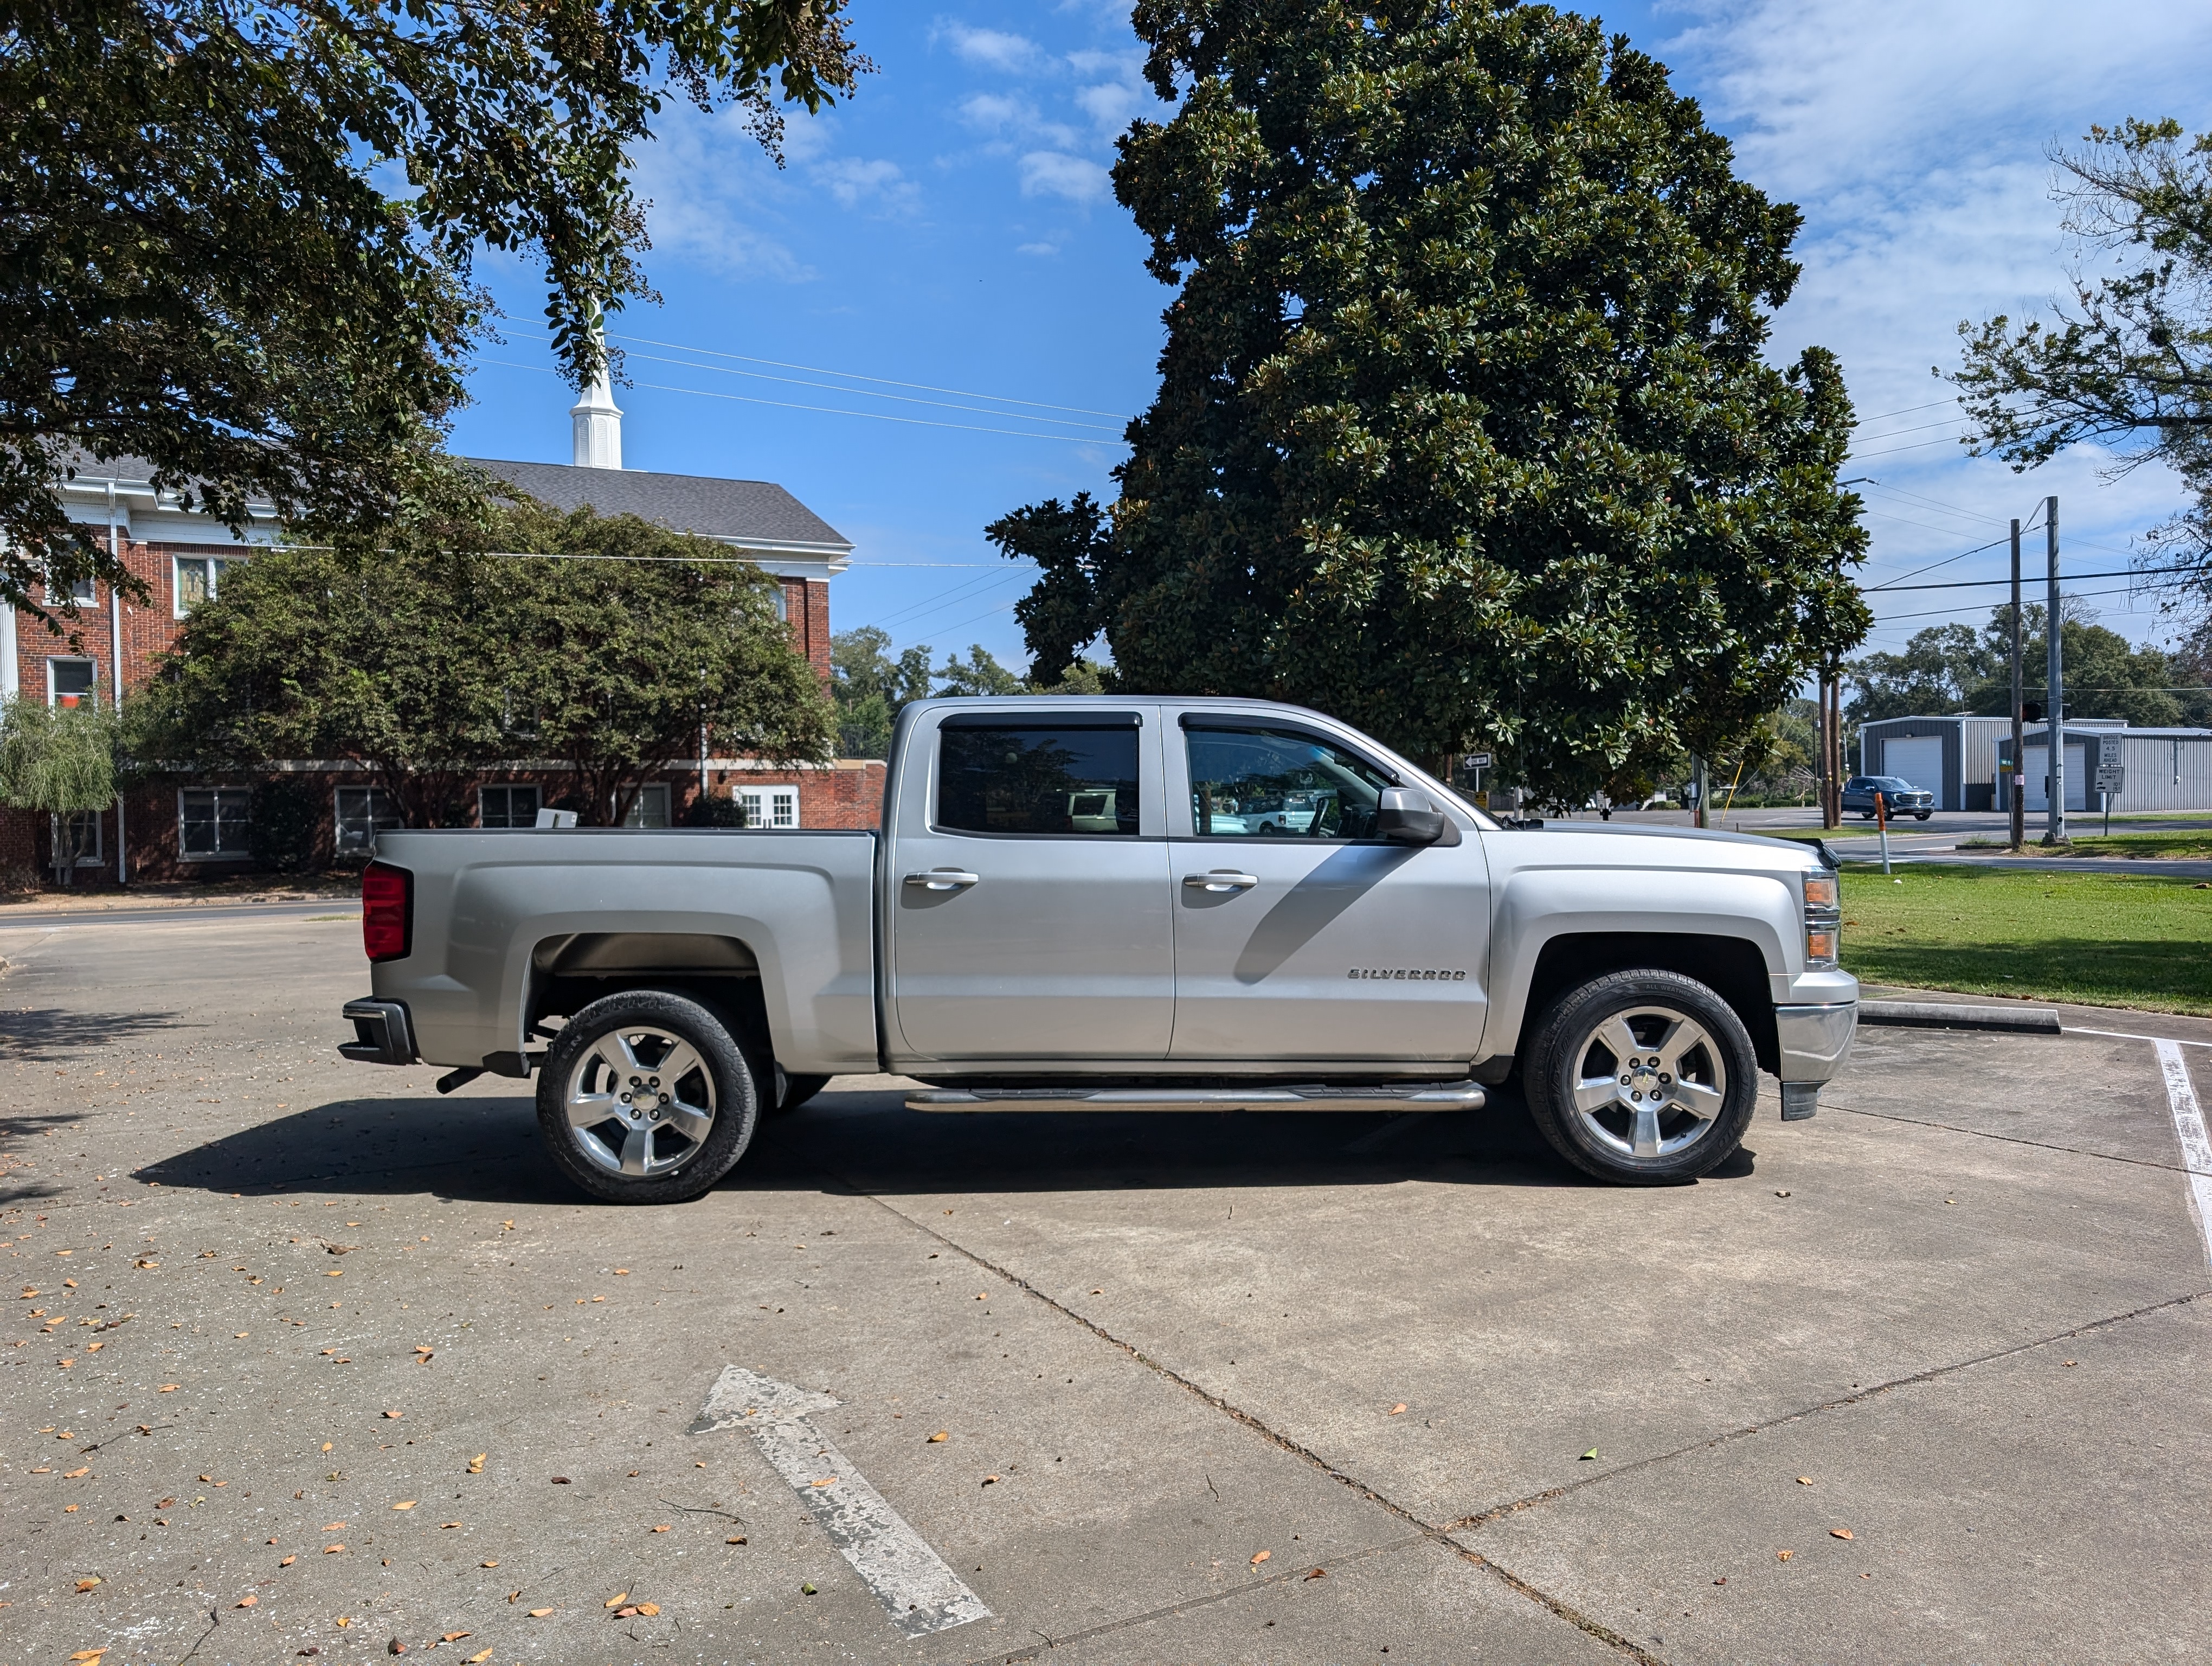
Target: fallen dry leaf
[395, 1414]
[1318, 1573]
[171, 1387]
[343, 1622]
[87, 1585]
[1839, 1533]
[455, 1636]
[332, 1550]
[404, 1503]
[482, 1655]
[95, 1654]
[663, 1528]
[1395, 1409]
[286, 1561]
[539, 1614]
[827, 1480]
[1804, 1480]
[739, 1540]
[942, 1434]
[1260, 1556]
[1784, 1555]
[648, 1608]
[71, 1475]
[625, 1612]
[617, 1599]
[562, 1480]
[442, 1525]
[493, 1563]
[246, 1601]
[476, 1463]
[333, 1527]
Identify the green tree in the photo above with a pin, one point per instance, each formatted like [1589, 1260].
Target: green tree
[602, 642]
[870, 686]
[236, 239]
[61, 760]
[1954, 668]
[982, 674]
[1464, 430]
[2129, 364]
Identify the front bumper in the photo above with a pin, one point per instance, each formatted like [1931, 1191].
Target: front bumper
[383, 1031]
[1815, 1041]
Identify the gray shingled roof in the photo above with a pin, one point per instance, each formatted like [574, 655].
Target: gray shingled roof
[752, 514]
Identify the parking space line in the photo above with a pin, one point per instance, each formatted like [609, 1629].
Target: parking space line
[920, 1593]
[2189, 1124]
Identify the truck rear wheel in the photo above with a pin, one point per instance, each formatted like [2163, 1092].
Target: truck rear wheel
[645, 1097]
[1642, 1077]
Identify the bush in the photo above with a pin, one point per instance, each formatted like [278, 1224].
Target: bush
[286, 836]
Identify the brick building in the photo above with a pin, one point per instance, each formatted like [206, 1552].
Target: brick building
[202, 828]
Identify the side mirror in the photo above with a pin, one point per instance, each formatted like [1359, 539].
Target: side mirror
[1405, 817]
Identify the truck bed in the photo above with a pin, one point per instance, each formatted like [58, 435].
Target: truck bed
[498, 914]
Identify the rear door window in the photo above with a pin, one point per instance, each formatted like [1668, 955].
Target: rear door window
[1014, 775]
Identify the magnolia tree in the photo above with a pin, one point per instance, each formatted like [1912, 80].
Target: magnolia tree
[1466, 429]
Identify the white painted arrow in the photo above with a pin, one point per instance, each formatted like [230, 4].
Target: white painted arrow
[920, 1594]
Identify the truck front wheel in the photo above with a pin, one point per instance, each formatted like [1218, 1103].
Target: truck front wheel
[645, 1099]
[1641, 1078]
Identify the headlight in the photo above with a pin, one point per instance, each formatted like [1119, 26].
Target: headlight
[1824, 917]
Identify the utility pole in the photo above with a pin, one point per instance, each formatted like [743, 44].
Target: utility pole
[2054, 724]
[2019, 713]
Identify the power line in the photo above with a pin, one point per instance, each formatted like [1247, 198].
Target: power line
[864, 393]
[1898, 583]
[1884, 415]
[1968, 584]
[832, 410]
[1922, 444]
[854, 375]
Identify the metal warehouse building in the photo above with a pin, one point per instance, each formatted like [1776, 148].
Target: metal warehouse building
[1953, 758]
[2167, 768]
[1957, 759]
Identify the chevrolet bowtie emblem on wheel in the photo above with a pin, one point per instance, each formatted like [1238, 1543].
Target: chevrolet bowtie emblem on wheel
[1406, 975]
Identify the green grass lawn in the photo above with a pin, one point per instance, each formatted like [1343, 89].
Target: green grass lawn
[2101, 940]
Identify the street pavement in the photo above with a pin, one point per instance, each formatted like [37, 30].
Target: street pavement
[313, 1364]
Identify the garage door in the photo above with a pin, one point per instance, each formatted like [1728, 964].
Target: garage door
[1919, 759]
[2077, 777]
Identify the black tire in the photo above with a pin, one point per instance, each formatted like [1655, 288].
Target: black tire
[1601, 1140]
[796, 1090]
[677, 1153]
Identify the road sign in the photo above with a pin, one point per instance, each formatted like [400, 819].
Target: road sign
[1478, 760]
[2111, 780]
[2108, 752]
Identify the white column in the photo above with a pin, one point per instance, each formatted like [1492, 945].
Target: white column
[11, 674]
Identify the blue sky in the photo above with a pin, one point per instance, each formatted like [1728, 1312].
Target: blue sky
[951, 233]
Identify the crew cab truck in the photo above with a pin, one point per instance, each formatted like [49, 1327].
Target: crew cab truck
[1072, 906]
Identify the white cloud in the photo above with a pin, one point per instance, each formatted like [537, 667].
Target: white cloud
[1009, 114]
[711, 189]
[1914, 139]
[991, 49]
[852, 179]
[1056, 173]
[1038, 249]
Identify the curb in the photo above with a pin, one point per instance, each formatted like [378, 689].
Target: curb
[1941, 1015]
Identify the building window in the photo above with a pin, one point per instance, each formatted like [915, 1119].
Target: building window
[361, 813]
[198, 578]
[83, 592]
[650, 808]
[212, 822]
[508, 806]
[79, 830]
[71, 682]
[769, 806]
[783, 601]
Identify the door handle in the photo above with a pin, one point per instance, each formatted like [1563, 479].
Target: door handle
[1221, 878]
[944, 879]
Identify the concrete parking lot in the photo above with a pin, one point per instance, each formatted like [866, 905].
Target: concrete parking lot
[310, 1362]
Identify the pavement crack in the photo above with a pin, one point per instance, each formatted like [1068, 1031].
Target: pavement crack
[1426, 1530]
[1932, 1374]
[2016, 1139]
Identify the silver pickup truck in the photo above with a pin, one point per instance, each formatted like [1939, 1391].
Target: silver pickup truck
[1097, 904]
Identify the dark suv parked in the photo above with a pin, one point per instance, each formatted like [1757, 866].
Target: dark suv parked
[1904, 798]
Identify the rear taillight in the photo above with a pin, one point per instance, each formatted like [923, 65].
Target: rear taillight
[387, 911]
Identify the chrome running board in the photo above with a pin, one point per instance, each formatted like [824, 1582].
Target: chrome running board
[1424, 1095]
